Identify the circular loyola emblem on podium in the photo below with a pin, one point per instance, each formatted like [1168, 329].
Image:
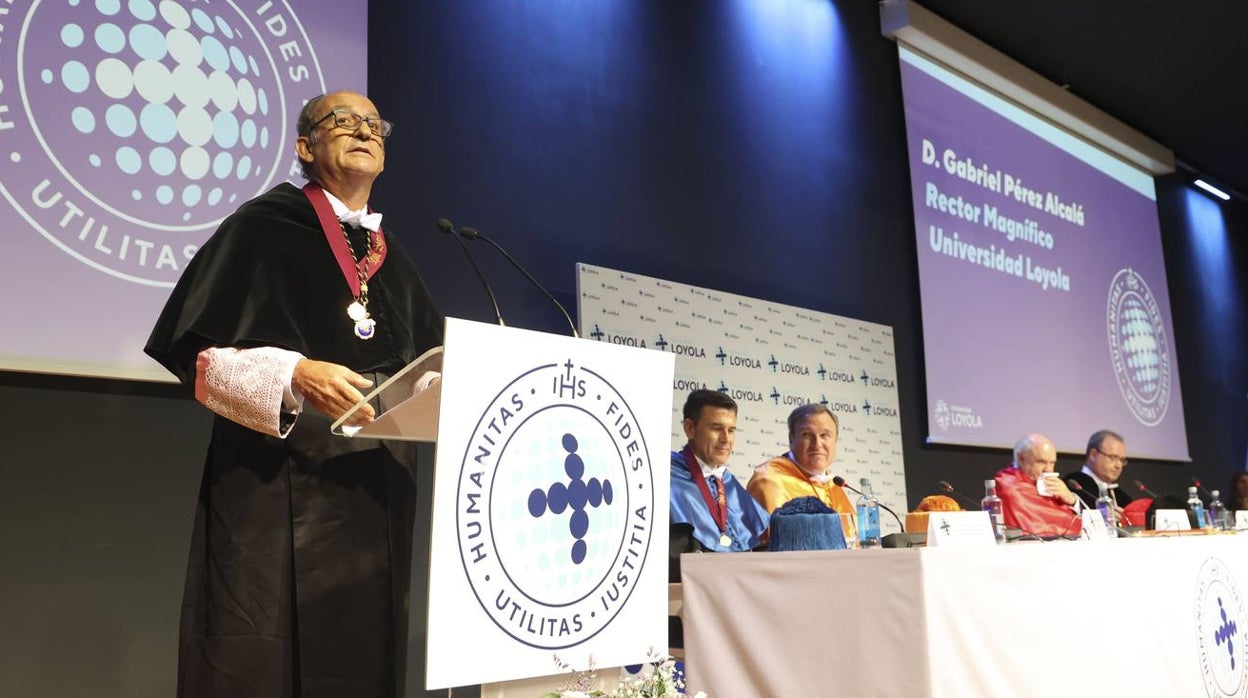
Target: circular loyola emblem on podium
[1138, 347]
[555, 505]
[139, 124]
[1221, 631]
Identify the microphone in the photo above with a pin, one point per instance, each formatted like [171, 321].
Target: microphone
[840, 482]
[1145, 490]
[1079, 491]
[1201, 488]
[472, 234]
[948, 489]
[448, 228]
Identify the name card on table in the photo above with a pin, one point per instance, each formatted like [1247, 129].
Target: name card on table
[1241, 520]
[959, 529]
[1094, 526]
[1172, 520]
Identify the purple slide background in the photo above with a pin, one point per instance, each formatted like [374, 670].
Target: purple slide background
[130, 129]
[1003, 356]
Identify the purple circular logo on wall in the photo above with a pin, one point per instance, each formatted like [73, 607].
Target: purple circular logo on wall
[1139, 348]
[138, 125]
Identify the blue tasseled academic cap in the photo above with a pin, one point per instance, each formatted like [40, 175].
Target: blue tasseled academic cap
[806, 523]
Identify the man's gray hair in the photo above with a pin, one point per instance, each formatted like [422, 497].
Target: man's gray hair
[1024, 445]
[303, 127]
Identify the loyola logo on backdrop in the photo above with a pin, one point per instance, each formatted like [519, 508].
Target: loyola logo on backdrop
[1220, 631]
[1138, 347]
[555, 504]
[146, 122]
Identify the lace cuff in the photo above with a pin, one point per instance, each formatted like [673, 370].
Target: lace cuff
[251, 387]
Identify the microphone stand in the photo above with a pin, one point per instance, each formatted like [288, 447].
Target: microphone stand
[948, 489]
[472, 234]
[445, 226]
[1145, 490]
[1201, 488]
[901, 535]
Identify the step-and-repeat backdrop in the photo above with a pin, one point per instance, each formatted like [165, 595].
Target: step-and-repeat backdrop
[770, 358]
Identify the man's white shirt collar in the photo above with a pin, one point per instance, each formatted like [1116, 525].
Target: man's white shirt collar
[821, 479]
[360, 218]
[708, 471]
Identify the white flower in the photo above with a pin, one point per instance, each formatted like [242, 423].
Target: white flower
[574, 694]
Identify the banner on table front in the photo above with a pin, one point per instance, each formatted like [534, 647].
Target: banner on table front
[770, 358]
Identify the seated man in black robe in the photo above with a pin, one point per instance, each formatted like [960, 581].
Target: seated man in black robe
[299, 567]
[1105, 459]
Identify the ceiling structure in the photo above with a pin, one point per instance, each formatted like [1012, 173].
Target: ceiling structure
[1176, 71]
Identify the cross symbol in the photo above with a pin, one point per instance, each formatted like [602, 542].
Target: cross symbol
[575, 495]
[1226, 633]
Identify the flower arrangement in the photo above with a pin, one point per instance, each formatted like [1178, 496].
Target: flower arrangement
[658, 679]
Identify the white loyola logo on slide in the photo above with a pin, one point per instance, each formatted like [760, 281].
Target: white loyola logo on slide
[142, 123]
[1138, 347]
[946, 415]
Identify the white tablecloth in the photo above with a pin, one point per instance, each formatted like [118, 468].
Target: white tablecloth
[1137, 617]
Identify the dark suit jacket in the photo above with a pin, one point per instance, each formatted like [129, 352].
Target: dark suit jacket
[1091, 491]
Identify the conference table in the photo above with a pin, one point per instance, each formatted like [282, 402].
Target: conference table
[1130, 617]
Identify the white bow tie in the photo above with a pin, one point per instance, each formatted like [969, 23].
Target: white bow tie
[362, 219]
[717, 471]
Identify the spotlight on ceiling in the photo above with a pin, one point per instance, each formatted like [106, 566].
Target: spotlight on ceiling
[1212, 189]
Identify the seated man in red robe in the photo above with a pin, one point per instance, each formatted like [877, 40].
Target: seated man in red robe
[1023, 504]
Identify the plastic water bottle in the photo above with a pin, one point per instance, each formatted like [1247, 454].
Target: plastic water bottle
[868, 516]
[1105, 505]
[1218, 514]
[991, 503]
[1194, 504]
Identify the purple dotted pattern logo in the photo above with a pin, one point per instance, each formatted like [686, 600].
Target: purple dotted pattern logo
[144, 123]
[1139, 347]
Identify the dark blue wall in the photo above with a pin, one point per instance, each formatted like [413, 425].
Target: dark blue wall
[753, 147]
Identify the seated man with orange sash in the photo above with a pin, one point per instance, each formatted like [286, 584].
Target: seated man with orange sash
[806, 470]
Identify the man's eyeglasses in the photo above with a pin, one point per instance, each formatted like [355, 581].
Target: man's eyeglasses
[351, 121]
[1121, 460]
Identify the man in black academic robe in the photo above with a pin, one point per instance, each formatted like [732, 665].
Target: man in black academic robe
[299, 566]
[1105, 459]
